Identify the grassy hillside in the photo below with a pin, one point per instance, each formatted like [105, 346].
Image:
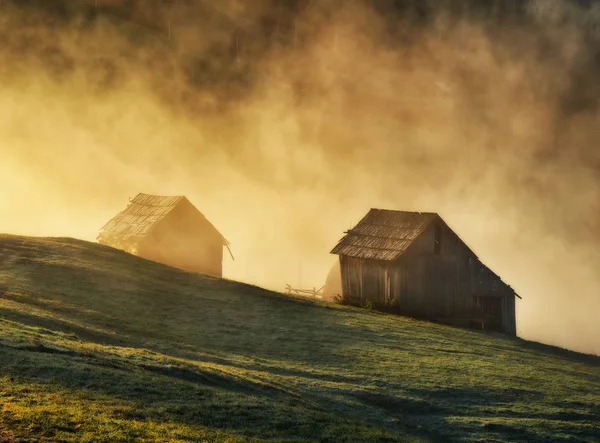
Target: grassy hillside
[97, 345]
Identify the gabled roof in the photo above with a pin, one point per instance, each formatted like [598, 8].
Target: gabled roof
[142, 214]
[383, 234]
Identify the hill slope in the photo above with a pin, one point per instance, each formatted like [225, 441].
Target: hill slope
[98, 345]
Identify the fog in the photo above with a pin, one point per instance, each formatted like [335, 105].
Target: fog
[286, 140]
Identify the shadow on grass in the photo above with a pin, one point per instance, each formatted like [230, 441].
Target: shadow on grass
[399, 407]
[52, 326]
[177, 314]
[466, 414]
[556, 351]
[191, 397]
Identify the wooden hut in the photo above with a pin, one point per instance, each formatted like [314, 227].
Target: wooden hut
[413, 263]
[168, 230]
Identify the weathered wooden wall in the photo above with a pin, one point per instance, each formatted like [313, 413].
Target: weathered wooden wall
[422, 283]
[184, 239]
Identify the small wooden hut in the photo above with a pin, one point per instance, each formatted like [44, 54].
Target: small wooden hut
[168, 230]
[413, 263]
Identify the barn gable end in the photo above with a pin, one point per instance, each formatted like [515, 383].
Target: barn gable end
[415, 264]
[169, 230]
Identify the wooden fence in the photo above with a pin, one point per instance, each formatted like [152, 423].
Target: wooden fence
[313, 293]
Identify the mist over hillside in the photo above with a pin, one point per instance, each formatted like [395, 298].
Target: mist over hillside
[284, 122]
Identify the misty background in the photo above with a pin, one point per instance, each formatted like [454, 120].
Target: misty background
[285, 121]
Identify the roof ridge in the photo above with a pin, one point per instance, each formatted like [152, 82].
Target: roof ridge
[403, 211]
[142, 194]
[153, 206]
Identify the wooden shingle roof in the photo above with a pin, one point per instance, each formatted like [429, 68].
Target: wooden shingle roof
[141, 215]
[383, 234]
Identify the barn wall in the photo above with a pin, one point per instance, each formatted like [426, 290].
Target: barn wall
[440, 286]
[446, 284]
[364, 279]
[437, 285]
[485, 283]
[510, 325]
[408, 285]
[184, 240]
[374, 281]
[351, 281]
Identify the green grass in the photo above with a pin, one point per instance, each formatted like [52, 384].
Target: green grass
[98, 345]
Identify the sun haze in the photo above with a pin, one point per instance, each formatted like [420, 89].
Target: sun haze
[284, 123]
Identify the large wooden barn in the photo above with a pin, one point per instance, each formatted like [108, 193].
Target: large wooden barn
[413, 263]
[167, 230]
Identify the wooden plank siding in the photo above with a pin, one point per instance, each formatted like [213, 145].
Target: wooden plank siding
[168, 230]
[186, 240]
[439, 283]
